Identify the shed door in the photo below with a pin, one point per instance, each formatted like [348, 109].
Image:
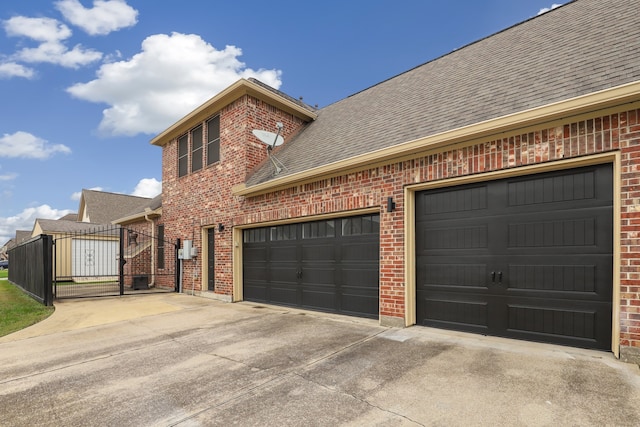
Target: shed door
[528, 257]
[329, 265]
[94, 258]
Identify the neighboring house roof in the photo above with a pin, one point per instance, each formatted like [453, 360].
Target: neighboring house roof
[22, 236]
[578, 49]
[153, 208]
[70, 217]
[99, 207]
[57, 226]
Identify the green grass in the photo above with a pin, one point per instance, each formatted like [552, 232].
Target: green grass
[18, 310]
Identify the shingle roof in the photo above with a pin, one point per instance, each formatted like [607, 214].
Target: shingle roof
[103, 207]
[151, 205]
[64, 226]
[70, 217]
[22, 236]
[579, 48]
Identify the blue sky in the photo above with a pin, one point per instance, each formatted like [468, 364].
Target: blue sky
[86, 84]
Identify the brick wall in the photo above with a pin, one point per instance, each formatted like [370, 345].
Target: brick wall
[204, 198]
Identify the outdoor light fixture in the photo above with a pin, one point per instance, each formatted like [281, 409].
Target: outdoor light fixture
[220, 227]
[391, 205]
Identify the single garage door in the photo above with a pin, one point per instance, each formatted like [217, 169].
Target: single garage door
[330, 265]
[528, 257]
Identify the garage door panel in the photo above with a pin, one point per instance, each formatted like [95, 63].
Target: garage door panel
[360, 250]
[455, 238]
[472, 316]
[587, 233]
[319, 297]
[542, 264]
[578, 279]
[588, 325]
[356, 304]
[255, 290]
[283, 252]
[284, 293]
[454, 274]
[283, 272]
[361, 277]
[318, 251]
[442, 204]
[319, 275]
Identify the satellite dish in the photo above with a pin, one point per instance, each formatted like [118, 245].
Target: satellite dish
[272, 140]
[269, 138]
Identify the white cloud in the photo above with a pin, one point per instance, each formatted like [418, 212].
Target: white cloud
[148, 187]
[12, 69]
[78, 194]
[38, 29]
[8, 176]
[26, 219]
[59, 54]
[26, 145]
[105, 16]
[171, 76]
[50, 33]
[547, 9]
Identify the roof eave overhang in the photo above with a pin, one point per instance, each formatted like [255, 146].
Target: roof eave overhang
[227, 96]
[148, 214]
[601, 100]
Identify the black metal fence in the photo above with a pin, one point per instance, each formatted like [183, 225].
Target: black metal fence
[113, 260]
[93, 261]
[31, 268]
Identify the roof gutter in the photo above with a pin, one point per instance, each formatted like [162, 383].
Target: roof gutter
[607, 98]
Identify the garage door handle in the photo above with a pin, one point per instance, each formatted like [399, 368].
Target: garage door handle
[493, 276]
[299, 274]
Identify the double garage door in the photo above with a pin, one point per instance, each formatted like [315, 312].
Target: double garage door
[330, 265]
[528, 257]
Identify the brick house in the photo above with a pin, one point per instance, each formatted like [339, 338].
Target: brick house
[492, 190]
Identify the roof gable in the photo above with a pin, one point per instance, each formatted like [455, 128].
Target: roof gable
[100, 207]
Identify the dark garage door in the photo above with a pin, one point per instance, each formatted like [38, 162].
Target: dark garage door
[329, 265]
[528, 257]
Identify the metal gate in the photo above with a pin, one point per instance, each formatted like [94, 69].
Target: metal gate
[113, 260]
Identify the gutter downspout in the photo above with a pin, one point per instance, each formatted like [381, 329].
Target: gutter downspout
[153, 250]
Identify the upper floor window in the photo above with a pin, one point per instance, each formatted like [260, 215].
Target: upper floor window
[192, 147]
[183, 155]
[196, 149]
[213, 140]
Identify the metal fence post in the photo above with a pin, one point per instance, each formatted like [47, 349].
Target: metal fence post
[122, 261]
[47, 267]
[177, 267]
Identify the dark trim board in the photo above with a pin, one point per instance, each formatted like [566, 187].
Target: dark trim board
[526, 257]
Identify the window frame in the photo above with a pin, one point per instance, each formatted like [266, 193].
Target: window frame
[183, 155]
[197, 151]
[213, 144]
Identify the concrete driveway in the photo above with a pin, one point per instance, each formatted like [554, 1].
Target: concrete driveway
[178, 360]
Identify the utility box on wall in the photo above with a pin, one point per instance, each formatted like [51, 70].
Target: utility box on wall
[187, 247]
